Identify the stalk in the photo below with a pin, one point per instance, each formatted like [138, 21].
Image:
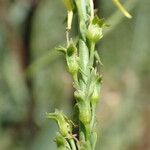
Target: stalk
[80, 58]
[92, 48]
[72, 143]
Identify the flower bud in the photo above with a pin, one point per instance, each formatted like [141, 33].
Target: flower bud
[96, 91]
[79, 95]
[72, 59]
[94, 31]
[84, 112]
[61, 142]
[95, 96]
[62, 121]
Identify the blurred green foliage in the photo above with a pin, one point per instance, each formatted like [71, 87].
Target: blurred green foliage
[29, 31]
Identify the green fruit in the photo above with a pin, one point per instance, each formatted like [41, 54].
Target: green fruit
[85, 112]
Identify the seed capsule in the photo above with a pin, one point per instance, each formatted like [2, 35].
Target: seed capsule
[95, 95]
[72, 59]
[84, 112]
[62, 121]
[61, 142]
[96, 92]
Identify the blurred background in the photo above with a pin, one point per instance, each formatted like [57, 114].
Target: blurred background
[34, 78]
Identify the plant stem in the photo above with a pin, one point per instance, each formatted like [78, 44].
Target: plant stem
[91, 8]
[72, 143]
[93, 117]
[80, 61]
[92, 48]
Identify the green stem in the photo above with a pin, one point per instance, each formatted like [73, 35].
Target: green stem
[93, 117]
[81, 6]
[91, 9]
[72, 143]
[92, 49]
[82, 17]
[75, 78]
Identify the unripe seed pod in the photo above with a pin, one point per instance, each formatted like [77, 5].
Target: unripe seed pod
[72, 59]
[71, 50]
[84, 112]
[65, 127]
[61, 142]
[96, 92]
[95, 96]
[73, 65]
[79, 95]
